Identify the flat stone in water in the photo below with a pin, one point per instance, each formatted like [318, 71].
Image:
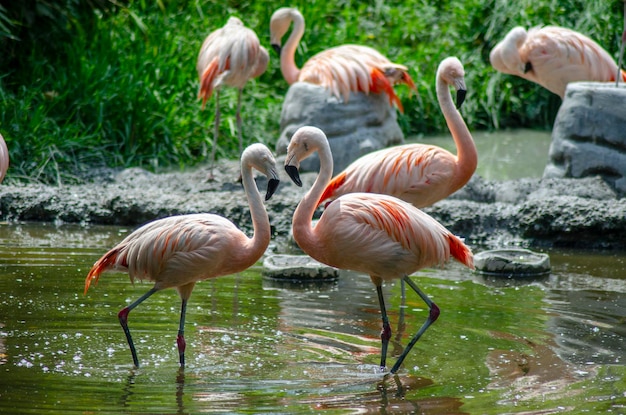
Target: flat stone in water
[297, 268]
[512, 262]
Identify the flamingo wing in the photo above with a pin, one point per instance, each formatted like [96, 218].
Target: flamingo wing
[230, 55]
[174, 249]
[384, 236]
[353, 68]
[415, 173]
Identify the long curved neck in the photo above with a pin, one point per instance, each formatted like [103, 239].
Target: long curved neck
[288, 52]
[466, 154]
[260, 222]
[303, 231]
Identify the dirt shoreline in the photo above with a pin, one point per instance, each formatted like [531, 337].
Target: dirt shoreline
[577, 213]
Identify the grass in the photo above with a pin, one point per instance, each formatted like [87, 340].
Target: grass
[118, 87]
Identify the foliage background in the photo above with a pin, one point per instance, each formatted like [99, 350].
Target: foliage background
[92, 83]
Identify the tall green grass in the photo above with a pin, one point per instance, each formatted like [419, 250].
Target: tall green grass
[118, 87]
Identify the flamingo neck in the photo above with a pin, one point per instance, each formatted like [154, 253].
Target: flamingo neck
[288, 52]
[466, 154]
[256, 245]
[303, 231]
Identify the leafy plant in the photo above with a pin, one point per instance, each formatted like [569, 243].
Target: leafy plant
[97, 83]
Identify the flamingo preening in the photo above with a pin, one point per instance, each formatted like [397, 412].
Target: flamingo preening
[230, 56]
[553, 56]
[341, 69]
[376, 234]
[179, 251]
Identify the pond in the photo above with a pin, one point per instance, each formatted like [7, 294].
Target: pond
[553, 344]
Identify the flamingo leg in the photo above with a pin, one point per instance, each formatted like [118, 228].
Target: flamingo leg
[216, 130]
[123, 317]
[385, 333]
[432, 316]
[239, 121]
[401, 323]
[180, 340]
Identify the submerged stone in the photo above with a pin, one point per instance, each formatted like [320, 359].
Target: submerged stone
[512, 262]
[297, 268]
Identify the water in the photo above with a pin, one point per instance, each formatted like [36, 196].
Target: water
[549, 345]
[503, 155]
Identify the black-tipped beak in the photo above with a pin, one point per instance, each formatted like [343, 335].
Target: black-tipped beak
[528, 67]
[276, 48]
[460, 97]
[272, 185]
[292, 171]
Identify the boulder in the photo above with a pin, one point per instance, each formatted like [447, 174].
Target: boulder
[363, 124]
[589, 134]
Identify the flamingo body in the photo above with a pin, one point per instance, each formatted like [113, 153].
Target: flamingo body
[375, 234]
[4, 158]
[341, 69]
[179, 251]
[417, 173]
[552, 57]
[230, 56]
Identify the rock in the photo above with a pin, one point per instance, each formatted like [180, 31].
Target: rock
[512, 262]
[364, 124]
[297, 268]
[588, 137]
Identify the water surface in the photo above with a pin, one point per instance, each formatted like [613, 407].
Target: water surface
[551, 345]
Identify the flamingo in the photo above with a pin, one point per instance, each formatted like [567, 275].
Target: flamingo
[375, 234]
[552, 57]
[342, 69]
[230, 56]
[179, 251]
[4, 158]
[420, 174]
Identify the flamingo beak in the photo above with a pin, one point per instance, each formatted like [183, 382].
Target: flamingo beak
[272, 185]
[277, 48]
[460, 97]
[528, 67]
[293, 173]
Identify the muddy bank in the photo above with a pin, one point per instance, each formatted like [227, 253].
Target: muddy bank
[580, 213]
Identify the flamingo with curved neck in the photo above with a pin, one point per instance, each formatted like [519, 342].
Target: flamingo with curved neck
[420, 174]
[342, 69]
[179, 251]
[375, 234]
[553, 56]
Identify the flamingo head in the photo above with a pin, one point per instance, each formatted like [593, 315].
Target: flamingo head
[304, 142]
[260, 157]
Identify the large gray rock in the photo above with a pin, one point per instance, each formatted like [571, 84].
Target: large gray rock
[589, 134]
[364, 124]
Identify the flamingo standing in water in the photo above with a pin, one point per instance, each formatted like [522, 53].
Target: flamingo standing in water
[179, 251]
[552, 57]
[4, 158]
[229, 56]
[376, 234]
[420, 174]
[342, 69]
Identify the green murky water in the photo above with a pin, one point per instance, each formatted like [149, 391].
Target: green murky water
[553, 345]
[502, 155]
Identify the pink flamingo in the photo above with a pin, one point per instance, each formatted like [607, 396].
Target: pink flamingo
[231, 56]
[379, 235]
[342, 69]
[417, 173]
[179, 251]
[552, 57]
[4, 158]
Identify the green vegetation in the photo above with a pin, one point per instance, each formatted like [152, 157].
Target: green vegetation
[95, 83]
